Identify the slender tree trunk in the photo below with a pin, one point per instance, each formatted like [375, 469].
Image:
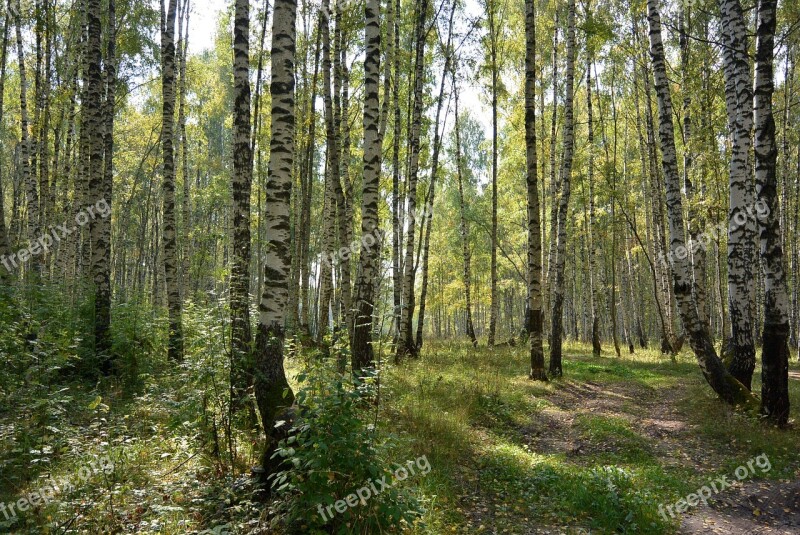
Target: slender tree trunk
[174, 303]
[241, 337]
[101, 177]
[7, 271]
[464, 228]
[593, 292]
[27, 174]
[698, 255]
[493, 38]
[775, 352]
[271, 386]
[331, 176]
[427, 219]
[186, 223]
[307, 190]
[554, 185]
[556, 333]
[397, 275]
[534, 323]
[741, 231]
[406, 344]
[369, 258]
[343, 194]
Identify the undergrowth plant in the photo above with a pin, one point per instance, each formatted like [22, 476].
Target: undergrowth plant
[332, 451]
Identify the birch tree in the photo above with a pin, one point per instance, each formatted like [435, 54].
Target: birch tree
[534, 324]
[557, 329]
[241, 188]
[406, 344]
[775, 346]
[741, 230]
[427, 220]
[723, 383]
[369, 258]
[102, 167]
[272, 389]
[170, 252]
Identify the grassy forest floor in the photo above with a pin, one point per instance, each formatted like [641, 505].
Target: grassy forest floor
[597, 451]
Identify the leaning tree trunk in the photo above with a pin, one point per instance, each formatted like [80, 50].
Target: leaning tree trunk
[775, 351]
[741, 231]
[406, 344]
[427, 219]
[271, 386]
[557, 328]
[369, 258]
[241, 186]
[168, 153]
[722, 382]
[698, 252]
[534, 323]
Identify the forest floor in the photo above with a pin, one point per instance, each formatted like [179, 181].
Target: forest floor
[606, 449]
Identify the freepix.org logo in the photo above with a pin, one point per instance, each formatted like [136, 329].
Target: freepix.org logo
[55, 235]
[48, 492]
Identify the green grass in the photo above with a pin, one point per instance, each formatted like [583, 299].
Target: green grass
[506, 453]
[469, 411]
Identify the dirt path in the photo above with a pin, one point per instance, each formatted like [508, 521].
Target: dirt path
[649, 412]
[755, 507]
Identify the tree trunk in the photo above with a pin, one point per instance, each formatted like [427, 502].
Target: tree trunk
[741, 231]
[369, 258]
[556, 332]
[397, 276]
[493, 306]
[534, 323]
[554, 185]
[463, 228]
[241, 337]
[723, 383]
[101, 178]
[271, 386]
[593, 293]
[8, 269]
[27, 175]
[307, 184]
[331, 176]
[427, 219]
[406, 344]
[170, 259]
[775, 351]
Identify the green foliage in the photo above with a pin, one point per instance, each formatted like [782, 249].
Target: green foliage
[616, 502]
[331, 452]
